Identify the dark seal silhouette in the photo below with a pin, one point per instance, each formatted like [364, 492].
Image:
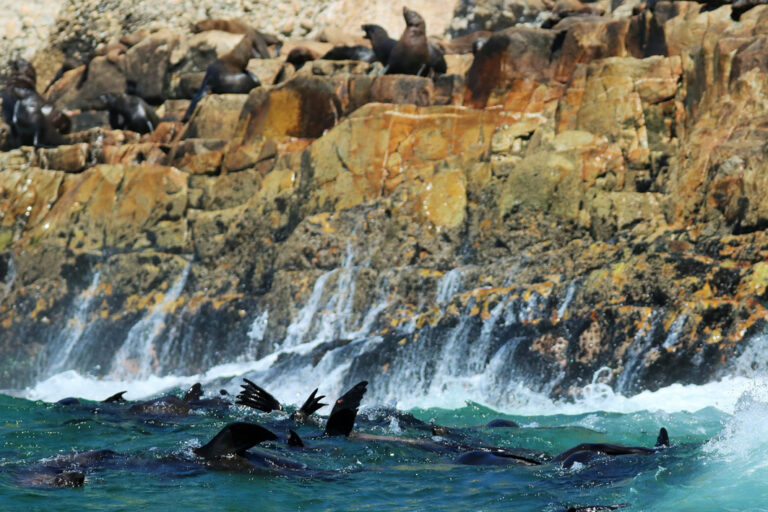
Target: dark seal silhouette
[381, 43]
[586, 452]
[128, 112]
[362, 53]
[32, 120]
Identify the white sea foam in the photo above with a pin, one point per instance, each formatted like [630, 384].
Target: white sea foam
[724, 394]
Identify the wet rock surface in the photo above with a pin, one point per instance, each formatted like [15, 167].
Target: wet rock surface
[581, 202]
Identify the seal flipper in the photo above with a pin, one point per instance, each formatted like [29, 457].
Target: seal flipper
[117, 397]
[663, 440]
[294, 439]
[235, 438]
[342, 418]
[257, 398]
[205, 88]
[309, 407]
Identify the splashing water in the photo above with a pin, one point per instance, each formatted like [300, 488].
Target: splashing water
[66, 349]
[138, 356]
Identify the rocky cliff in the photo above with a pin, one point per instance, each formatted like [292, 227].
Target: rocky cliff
[582, 200]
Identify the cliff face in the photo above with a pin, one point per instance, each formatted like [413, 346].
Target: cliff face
[586, 197]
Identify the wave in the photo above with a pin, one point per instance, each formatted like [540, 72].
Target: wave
[726, 394]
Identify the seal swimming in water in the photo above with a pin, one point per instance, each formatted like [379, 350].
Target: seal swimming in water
[171, 405]
[227, 75]
[586, 452]
[258, 398]
[340, 422]
[128, 112]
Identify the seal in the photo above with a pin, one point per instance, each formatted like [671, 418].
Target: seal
[410, 55]
[437, 64]
[256, 397]
[227, 75]
[32, 120]
[342, 418]
[229, 450]
[259, 41]
[381, 43]
[129, 112]
[171, 405]
[359, 52]
[340, 422]
[587, 452]
[51, 478]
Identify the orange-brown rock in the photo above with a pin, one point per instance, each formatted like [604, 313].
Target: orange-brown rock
[304, 107]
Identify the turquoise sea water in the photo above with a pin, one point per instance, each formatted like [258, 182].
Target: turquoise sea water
[718, 461]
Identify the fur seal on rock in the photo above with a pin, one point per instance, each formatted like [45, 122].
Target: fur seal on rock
[361, 53]
[128, 112]
[412, 54]
[32, 120]
[381, 43]
[259, 41]
[227, 75]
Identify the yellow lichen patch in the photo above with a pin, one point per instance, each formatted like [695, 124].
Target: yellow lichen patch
[715, 337]
[402, 342]
[41, 305]
[223, 300]
[431, 317]
[321, 219]
[544, 289]
[283, 114]
[482, 294]
[705, 293]
[428, 272]
[757, 279]
[619, 273]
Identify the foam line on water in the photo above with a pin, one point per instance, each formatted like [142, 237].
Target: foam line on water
[724, 394]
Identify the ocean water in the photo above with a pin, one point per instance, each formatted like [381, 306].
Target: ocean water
[718, 459]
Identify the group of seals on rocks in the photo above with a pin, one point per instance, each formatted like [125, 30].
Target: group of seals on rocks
[34, 121]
